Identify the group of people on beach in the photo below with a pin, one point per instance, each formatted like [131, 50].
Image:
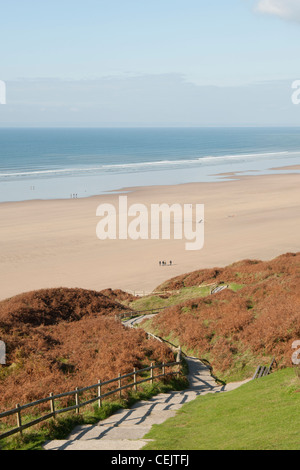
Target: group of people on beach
[164, 263]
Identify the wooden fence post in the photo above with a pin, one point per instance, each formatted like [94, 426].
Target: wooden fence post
[152, 374]
[255, 373]
[163, 369]
[19, 419]
[179, 360]
[134, 378]
[120, 392]
[52, 405]
[77, 400]
[99, 394]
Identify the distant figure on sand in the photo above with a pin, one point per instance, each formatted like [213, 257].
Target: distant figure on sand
[164, 263]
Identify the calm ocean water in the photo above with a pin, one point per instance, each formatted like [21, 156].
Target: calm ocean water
[57, 163]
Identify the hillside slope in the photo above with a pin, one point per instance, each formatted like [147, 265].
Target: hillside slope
[50, 306]
[59, 339]
[237, 330]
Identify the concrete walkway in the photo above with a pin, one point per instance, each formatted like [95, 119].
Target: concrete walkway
[125, 430]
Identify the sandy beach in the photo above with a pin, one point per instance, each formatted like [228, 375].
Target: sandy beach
[54, 244]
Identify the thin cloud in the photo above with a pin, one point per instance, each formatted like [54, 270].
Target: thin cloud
[285, 9]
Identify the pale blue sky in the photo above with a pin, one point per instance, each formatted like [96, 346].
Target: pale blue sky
[131, 48]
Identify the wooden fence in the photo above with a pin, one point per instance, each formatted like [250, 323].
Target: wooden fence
[152, 293]
[262, 371]
[53, 412]
[137, 313]
[180, 353]
[218, 288]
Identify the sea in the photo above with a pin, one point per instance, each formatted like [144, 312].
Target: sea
[63, 163]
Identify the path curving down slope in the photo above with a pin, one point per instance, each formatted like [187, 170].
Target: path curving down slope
[125, 430]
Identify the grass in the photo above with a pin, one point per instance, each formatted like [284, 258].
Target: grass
[236, 287]
[61, 427]
[263, 414]
[186, 293]
[154, 301]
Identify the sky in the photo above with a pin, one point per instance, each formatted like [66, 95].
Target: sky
[141, 63]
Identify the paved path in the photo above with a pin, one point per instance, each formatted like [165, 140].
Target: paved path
[125, 430]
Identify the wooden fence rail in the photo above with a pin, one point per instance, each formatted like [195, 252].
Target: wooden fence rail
[152, 293]
[138, 313]
[76, 394]
[218, 288]
[262, 371]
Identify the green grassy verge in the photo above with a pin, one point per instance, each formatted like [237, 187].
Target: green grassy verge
[186, 293]
[60, 428]
[263, 414]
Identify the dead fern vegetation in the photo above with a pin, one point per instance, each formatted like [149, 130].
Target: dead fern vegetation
[60, 339]
[238, 330]
[119, 296]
